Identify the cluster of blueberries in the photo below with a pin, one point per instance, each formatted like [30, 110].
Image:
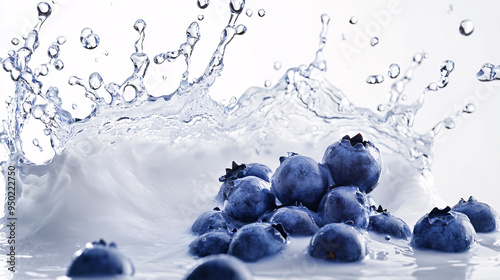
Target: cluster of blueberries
[329, 201]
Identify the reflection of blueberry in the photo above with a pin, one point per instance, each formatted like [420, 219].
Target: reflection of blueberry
[298, 221]
[249, 199]
[482, 216]
[208, 221]
[220, 267]
[344, 204]
[210, 243]
[255, 241]
[353, 161]
[444, 230]
[337, 242]
[238, 171]
[97, 259]
[383, 222]
[299, 180]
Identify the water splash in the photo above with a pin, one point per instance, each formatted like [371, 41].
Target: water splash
[394, 71]
[89, 39]
[375, 79]
[488, 72]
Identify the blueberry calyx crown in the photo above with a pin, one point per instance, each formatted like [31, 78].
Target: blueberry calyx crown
[102, 243]
[233, 173]
[358, 138]
[439, 212]
[471, 199]
[290, 154]
[380, 209]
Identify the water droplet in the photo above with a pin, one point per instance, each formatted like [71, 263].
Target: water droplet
[236, 6]
[277, 65]
[58, 64]
[43, 70]
[95, 81]
[353, 20]
[53, 50]
[35, 142]
[15, 41]
[418, 57]
[89, 39]
[201, 17]
[140, 25]
[249, 12]
[343, 37]
[96, 59]
[449, 123]
[267, 83]
[447, 67]
[106, 53]
[375, 79]
[432, 87]
[466, 27]
[61, 40]
[202, 4]
[44, 9]
[164, 77]
[381, 108]
[241, 29]
[486, 73]
[159, 59]
[261, 12]
[443, 82]
[47, 131]
[394, 71]
[374, 41]
[469, 108]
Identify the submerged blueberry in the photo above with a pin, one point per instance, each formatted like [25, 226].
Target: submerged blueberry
[299, 180]
[444, 230]
[249, 199]
[211, 243]
[99, 259]
[337, 242]
[208, 221]
[344, 204]
[220, 267]
[258, 240]
[298, 221]
[353, 161]
[482, 216]
[383, 222]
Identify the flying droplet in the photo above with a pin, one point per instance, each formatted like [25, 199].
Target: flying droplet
[432, 87]
[277, 65]
[267, 83]
[201, 17]
[43, 70]
[486, 73]
[241, 29]
[74, 106]
[47, 131]
[58, 64]
[353, 20]
[469, 108]
[61, 40]
[381, 108]
[44, 9]
[53, 50]
[394, 71]
[449, 123]
[164, 77]
[447, 67]
[374, 41]
[95, 81]
[466, 27]
[261, 12]
[236, 6]
[375, 79]
[89, 39]
[106, 53]
[35, 142]
[202, 4]
[249, 12]
[15, 41]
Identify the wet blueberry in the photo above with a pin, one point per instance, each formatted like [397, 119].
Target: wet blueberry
[353, 161]
[220, 267]
[444, 230]
[297, 221]
[339, 243]
[208, 221]
[249, 199]
[299, 180]
[258, 240]
[482, 216]
[383, 222]
[343, 204]
[98, 259]
[211, 243]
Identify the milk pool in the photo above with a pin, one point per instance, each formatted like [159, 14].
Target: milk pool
[141, 175]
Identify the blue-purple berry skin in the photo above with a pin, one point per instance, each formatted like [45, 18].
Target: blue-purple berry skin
[297, 221]
[211, 243]
[337, 243]
[299, 180]
[345, 204]
[383, 222]
[210, 220]
[353, 161]
[482, 216]
[219, 267]
[444, 230]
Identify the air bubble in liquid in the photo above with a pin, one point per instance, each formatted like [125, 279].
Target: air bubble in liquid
[374, 41]
[249, 12]
[202, 4]
[394, 71]
[95, 81]
[15, 41]
[375, 79]
[353, 20]
[261, 12]
[466, 27]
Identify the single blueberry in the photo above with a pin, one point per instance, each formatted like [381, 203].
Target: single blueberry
[343, 204]
[383, 222]
[249, 199]
[258, 240]
[238, 171]
[353, 161]
[211, 243]
[220, 267]
[297, 221]
[299, 180]
[97, 259]
[339, 243]
[444, 230]
[208, 221]
[482, 216]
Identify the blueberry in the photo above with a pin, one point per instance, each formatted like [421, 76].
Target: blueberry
[337, 242]
[211, 243]
[249, 199]
[98, 259]
[298, 221]
[482, 216]
[383, 222]
[353, 161]
[444, 230]
[238, 171]
[258, 240]
[220, 267]
[343, 204]
[208, 221]
[299, 180]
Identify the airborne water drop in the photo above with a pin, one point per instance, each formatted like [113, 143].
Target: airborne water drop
[466, 27]
[394, 71]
